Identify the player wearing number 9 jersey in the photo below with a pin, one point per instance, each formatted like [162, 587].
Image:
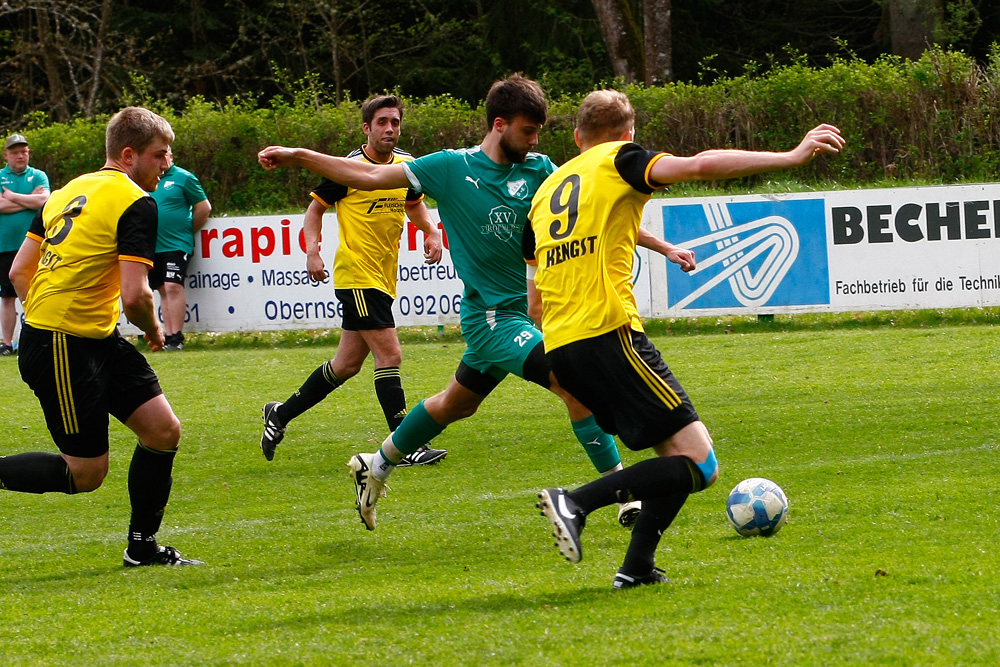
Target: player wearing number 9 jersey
[584, 228]
[91, 245]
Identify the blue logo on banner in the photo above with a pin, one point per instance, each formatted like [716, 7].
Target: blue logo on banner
[749, 254]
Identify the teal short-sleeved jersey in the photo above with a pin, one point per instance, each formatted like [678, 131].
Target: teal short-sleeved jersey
[13, 226]
[179, 190]
[484, 207]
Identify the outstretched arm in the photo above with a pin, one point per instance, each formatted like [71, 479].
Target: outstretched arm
[724, 163]
[680, 256]
[352, 173]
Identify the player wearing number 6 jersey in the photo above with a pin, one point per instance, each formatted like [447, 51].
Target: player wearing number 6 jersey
[584, 228]
[91, 245]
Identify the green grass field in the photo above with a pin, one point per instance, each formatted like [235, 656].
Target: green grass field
[884, 439]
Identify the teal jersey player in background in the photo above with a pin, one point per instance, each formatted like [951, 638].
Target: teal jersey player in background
[182, 209]
[483, 194]
[23, 191]
[177, 196]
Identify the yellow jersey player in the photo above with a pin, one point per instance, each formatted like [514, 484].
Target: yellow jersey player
[364, 277]
[91, 245]
[581, 241]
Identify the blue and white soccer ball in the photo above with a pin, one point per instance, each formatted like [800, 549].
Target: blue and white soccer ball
[757, 506]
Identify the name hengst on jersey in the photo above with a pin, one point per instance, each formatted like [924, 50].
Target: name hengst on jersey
[570, 250]
[384, 205]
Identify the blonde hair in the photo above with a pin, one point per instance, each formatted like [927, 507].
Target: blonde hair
[604, 115]
[136, 128]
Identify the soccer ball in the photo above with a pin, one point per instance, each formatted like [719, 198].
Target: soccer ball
[757, 506]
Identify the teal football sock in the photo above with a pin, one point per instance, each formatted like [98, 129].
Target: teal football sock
[600, 446]
[417, 429]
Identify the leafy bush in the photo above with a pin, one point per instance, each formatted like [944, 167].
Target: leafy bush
[931, 120]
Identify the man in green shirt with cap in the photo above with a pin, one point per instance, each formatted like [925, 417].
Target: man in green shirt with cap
[23, 190]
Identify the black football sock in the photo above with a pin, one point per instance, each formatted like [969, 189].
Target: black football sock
[646, 480]
[149, 482]
[389, 390]
[36, 472]
[317, 386]
[656, 516]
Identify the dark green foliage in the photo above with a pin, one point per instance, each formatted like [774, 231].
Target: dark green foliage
[933, 120]
[68, 58]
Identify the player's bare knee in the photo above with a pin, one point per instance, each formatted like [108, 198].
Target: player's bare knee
[165, 437]
[456, 410]
[454, 403]
[390, 358]
[86, 483]
[172, 438]
[348, 371]
[88, 479]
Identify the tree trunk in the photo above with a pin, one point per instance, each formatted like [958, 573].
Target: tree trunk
[332, 18]
[622, 38]
[911, 25]
[47, 51]
[98, 68]
[659, 50]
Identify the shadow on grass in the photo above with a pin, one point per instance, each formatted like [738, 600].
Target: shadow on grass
[75, 576]
[504, 603]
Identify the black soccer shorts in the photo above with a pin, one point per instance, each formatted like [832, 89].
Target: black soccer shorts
[621, 378]
[365, 309]
[80, 381]
[168, 267]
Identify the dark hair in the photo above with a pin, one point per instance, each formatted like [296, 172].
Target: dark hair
[516, 96]
[369, 108]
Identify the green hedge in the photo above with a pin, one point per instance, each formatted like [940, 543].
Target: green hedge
[934, 120]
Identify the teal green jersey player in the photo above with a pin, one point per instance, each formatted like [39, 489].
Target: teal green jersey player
[484, 206]
[176, 196]
[483, 195]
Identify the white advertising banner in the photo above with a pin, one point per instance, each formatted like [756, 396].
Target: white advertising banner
[903, 248]
[859, 250]
[248, 274]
